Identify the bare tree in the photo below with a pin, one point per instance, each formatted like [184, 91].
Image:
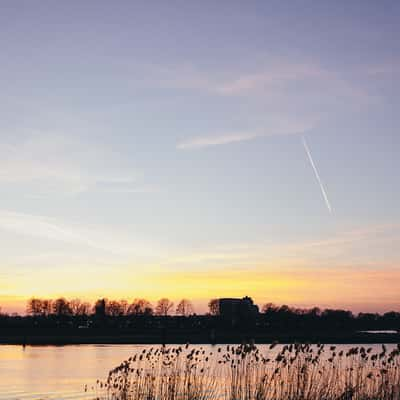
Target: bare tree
[34, 307]
[61, 307]
[114, 308]
[315, 312]
[140, 307]
[184, 308]
[124, 306]
[75, 305]
[84, 309]
[47, 307]
[213, 306]
[42, 307]
[164, 306]
[79, 307]
[269, 307]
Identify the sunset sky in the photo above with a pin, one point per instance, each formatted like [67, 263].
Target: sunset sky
[201, 149]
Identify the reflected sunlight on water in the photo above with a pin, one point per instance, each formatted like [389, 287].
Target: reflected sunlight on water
[49, 372]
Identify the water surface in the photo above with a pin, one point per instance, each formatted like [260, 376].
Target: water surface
[51, 372]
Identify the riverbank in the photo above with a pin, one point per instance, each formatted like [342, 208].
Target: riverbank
[199, 338]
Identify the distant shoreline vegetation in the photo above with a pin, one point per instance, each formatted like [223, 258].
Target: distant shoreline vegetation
[63, 321]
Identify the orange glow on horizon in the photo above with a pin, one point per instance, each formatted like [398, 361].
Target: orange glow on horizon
[373, 289]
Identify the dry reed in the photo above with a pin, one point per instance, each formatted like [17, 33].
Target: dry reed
[290, 372]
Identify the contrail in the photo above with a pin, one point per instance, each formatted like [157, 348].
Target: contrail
[328, 205]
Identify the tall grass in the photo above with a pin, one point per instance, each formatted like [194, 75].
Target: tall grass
[292, 372]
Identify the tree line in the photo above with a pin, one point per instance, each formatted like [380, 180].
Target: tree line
[271, 315]
[105, 307]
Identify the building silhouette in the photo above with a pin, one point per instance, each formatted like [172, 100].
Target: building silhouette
[234, 311]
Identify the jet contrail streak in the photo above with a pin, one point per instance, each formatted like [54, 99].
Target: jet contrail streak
[328, 205]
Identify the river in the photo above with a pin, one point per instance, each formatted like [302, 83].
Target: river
[51, 372]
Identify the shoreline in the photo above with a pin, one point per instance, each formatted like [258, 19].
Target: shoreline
[57, 340]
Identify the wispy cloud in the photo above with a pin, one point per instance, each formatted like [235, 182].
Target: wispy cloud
[48, 228]
[215, 140]
[344, 247]
[270, 77]
[272, 74]
[283, 127]
[56, 163]
[278, 74]
[56, 241]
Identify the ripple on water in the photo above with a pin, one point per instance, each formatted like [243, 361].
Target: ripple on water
[10, 394]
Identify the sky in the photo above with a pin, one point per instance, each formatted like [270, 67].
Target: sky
[200, 149]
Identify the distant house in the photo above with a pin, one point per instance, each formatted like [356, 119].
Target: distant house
[100, 308]
[233, 311]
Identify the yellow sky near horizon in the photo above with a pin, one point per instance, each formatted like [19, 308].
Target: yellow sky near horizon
[335, 271]
[344, 287]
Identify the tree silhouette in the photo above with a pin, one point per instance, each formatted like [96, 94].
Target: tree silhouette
[213, 306]
[79, 307]
[61, 307]
[34, 307]
[124, 306]
[39, 307]
[47, 307]
[140, 307]
[164, 306]
[269, 307]
[114, 308]
[184, 308]
[277, 319]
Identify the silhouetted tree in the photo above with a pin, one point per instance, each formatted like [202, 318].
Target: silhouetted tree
[140, 307]
[269, 307]
[213, 306]
[34, 307]
[367, 320]
[79, 307]
[47, 307]
[337, 318]
[148, 311]
[315, 312]
[390, 320]
[61, 307]
[124, 306]
[277, 319]
[164, 306]
[285, 309]
[184, 308]
[114, 308]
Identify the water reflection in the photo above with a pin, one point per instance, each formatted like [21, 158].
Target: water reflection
[48, 372]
